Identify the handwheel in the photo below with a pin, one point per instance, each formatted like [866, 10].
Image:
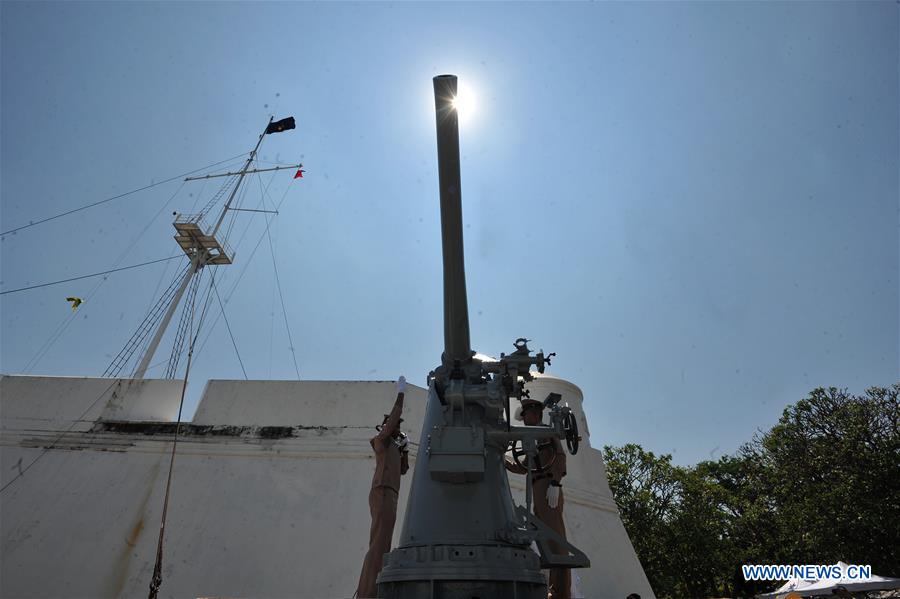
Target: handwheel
[519, 457]
[570, 425]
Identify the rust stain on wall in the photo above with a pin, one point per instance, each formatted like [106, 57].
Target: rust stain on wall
[119, 573]
[131, 541]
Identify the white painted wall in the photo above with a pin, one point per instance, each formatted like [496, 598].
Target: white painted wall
[46, 403]
[592, 518]
[248, 517]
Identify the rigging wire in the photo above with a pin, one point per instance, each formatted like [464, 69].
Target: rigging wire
[59, 437]
[229, 182]
[261, 204]
[283, 309]
[261, 161]
[121, 195]
[181, 331]
[244, 269]
[271, 328]
[177, 250]
[277, 280]
[231, 222]
[158, 364]
[238, 204]
[162, 277]
[156, 581]
[246, 229]
[208, 301]
[228, 326]
[96, 274]
[240, 275]
[66, 321]
[157, 575]
[147, 324]
[146, 339]
[199, 195]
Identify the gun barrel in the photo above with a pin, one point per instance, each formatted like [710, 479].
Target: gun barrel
[456, 310]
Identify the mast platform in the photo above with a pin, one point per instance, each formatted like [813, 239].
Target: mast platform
[192, 236]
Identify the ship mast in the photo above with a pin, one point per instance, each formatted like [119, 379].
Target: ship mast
[202, 248]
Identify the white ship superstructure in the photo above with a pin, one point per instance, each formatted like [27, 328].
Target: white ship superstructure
[268, 494]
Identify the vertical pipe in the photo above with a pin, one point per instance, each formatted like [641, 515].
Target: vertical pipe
[456, 309]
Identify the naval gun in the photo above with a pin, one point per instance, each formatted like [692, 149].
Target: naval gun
[463, 536]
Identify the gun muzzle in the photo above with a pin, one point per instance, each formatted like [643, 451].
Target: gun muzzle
[457, 346]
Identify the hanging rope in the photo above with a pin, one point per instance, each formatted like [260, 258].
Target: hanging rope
[156, 581]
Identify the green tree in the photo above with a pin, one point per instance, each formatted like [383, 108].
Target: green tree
[674, 519]
[822, 485]
[646, 491]
[831, 468]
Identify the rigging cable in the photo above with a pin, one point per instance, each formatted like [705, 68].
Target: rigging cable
[283, 309]
[244, 269]
[181, 331]
[46, 449]
[262, 205]
[147, 324]
[159, 281]
[271, 327]
[121, 195]
[96, 274]
[240, 202]
[234, 287]
[156, 581]
[218, 195]
[228, 326]
[160, 363]
[61, 328]
[64, 324]
[281, 295]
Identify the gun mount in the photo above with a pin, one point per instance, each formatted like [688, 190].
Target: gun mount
[463, 536]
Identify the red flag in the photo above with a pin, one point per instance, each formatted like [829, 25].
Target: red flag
[299, 174]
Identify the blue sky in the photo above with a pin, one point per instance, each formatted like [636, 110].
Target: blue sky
[694, 204]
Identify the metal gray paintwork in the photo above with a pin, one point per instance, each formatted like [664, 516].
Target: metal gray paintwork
[463, 537]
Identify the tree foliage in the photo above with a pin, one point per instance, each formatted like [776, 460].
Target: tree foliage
[822, 485]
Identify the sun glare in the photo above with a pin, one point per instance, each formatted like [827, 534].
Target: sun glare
[464, 103]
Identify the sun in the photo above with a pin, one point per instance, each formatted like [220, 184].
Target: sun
[465, 103]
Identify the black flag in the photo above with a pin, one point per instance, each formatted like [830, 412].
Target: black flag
[282, 125]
